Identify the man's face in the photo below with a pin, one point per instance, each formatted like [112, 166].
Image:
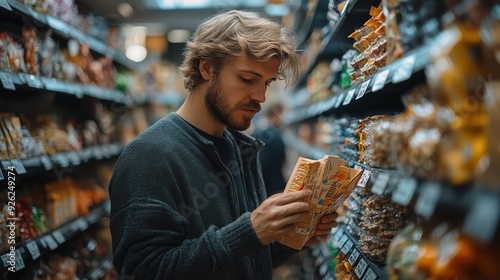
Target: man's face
[234, 96]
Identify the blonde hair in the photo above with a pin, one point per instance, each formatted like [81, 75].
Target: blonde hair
[235, 33]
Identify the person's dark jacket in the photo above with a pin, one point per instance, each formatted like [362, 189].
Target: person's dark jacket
[175, 211]
[272, 159]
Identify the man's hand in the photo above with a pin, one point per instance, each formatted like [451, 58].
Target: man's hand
[323, 228]
[279, 214]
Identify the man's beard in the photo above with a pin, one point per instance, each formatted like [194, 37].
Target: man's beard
[219, 108]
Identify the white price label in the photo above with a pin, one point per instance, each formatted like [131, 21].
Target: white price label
[33, 249]
[404, 69]
[349, 96]
[62, 159]
[56, 24]
[46, 162]
[6, 164]
[74, 158]
[338, 235]
[364, 178]
[5, 260]
[362, 89]
[428, 199]
[353, 258]
[58, 236]
[19, 166]
[331, 103]
[5, 5]
[381, 183]
[347, 247]
[342, 241]
[481, 222]
[19, 261]
[379, 80]
[82, 224]
[51, 243]
[7, 81]
[370, 275]
[339, 100]
[31, 80]
[404, 191]
[37, 16]
[361, 267]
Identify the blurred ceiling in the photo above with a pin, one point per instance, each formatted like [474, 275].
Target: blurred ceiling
[159, 21]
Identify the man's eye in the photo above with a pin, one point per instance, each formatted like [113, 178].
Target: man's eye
[247, 81]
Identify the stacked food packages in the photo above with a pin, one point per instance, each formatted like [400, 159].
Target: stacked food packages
[24, 137]
[371, 43]
[42, 208]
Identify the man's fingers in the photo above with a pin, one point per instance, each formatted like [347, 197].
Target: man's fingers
[286, 198]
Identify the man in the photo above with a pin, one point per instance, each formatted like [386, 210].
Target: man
[187, 196]
[273, 155]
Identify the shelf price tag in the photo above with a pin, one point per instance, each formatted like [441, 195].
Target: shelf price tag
[56, 24]
[33, 249]
[58, 236]
[4, 4]
[428, 199]
[381, 183]
[7, 81]
[362, 89]
[404, 69]
[347, 247]
[353, 258]
[361, 267]
[50, 242]
[74, 158]
[19, 261]
[364, 178]
[46, 162]
[404, 191]
[19, 166]
[370, 274]
[379, 80]
[6, 164]
[349, 97]
[342, 241]
[31, 80]
[339, 100]
[482, 220]
[82, 224]
[338, 235]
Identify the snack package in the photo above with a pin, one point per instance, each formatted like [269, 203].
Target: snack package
[331, 182]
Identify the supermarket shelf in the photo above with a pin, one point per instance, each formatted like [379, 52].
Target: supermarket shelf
[32, 250]
[13, 81]
[365, 269]
[476, 207]
[104, 266]
[65, 31]
[304, 149]
[359, 97]
[61, 160]
[336, 43]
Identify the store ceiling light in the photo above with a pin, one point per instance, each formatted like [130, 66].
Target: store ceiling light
[136, 53]
[206, 4]
[125, 10]
[178, 36]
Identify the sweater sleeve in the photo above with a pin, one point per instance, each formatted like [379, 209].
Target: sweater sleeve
[149, 230]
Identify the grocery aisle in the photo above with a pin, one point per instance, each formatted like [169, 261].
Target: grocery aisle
[405, 91]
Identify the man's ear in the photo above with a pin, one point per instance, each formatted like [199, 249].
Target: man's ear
[205, 69]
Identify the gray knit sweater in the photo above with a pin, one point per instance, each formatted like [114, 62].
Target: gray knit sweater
[175, 211]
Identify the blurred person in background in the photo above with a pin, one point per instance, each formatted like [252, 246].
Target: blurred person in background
[273, 155]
